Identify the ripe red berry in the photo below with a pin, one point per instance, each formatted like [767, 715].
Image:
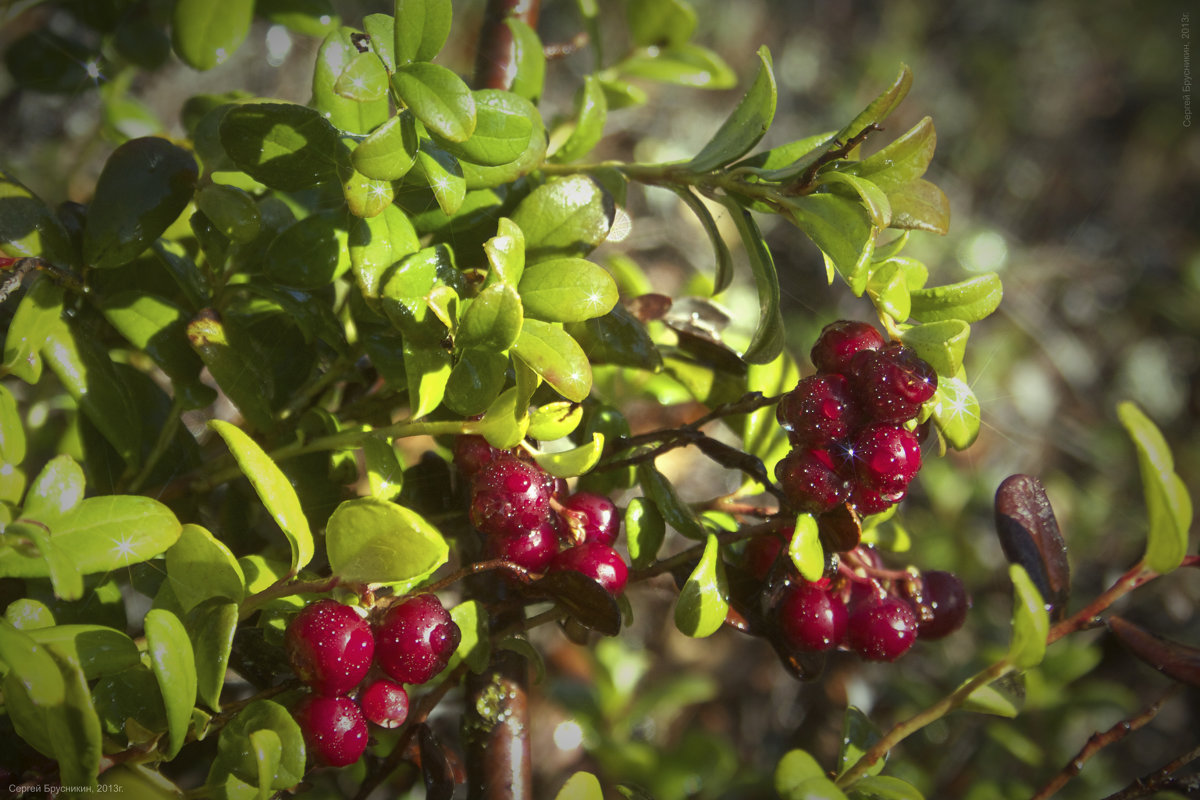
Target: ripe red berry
[891, 384]
[839, 341]
[597, 516]
[882, 630]
[811, 617]
[945, 598]
[471, 453]
[531, 549]
[598, 561]
[333, 728]
[330, 646]
[809, 481]
[868, 501]
[385, 703]
[416, 639]
[762, 550]
[883, 458]
[509, 496]
[820, 410]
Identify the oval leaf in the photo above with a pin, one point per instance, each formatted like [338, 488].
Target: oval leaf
[584, 599]
[205, 33]
[1176, 660]
[377, 243]
[970, 300]
[283, 145]
[567, 290]
[374, 541]
[551, 353]
[238, 755]
[437, 97]
[942, 344]
[746, 125]
[504, 123]
[100, 651]
[805, 549]
[310, 253]
[421, 29]
[645, 531]
[174, 665]
[232, 211]
[56, 490]
[703, 601]
[1168, 506]
[591, 112]
[390, 151]
[211, 627]
[956, 412]
[200, 566]
[574, 462]
[564, 217]
[554, 420]
[492, 320]
[581, 786]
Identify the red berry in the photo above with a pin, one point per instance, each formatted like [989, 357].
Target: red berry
[891, 384]
[330, 646]
[532, 549]
[416, 639]
[509, 496]
[839, 341]
[472, 453]
[385, 703]
[598, 561]
[811, 617]
[945, 598]
[867, 501]
[762, 550]
[333, 728]
[597, 515]
[818, 411]
[883, 458]
[809, 481]
[882, 630]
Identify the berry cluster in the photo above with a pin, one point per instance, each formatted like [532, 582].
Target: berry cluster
[849, 424]
[528, 518]
[332, 649]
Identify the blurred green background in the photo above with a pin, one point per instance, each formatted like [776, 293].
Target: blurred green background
[1070, 170]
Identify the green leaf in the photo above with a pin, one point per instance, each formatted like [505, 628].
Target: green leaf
[942, 344]
[567, 290]
[31, 666]
[206, 32]
[842, 229]
[622, 94]
[373, 541]
[581, 785]
[478, 176]
[29, 228]
[555, 420]
[675, 512]
[528, 58]
[645, 531]
[970, 300]
[364, 79]
[702, 605]
[551, 353]
[617, 337]
[574, 462]
[746, 125]
[505, 254]
[492, 320]
[505, 422]
[858, 735]
[683, 64]
[421, 29]
[145, 185]
[381, 28]
[587, 127]
[767, 342]
[211, 626]
[12, 430]
[805, 549]
[476, 379]
[988, 699]
[885, 787]
[1031, 622]
[283, 145]
[238, 754]
[475, 646]
[38, 313]
[337, 52]
[310, 253]
[724, 272]
[307, 17]
[74, 728]
[504, 123]
[159, 328]
[385, 473]
[902, 161]
[174, 665]
[444, 175]
[1168, 505]
[377, 243]
[880, 107]
[873, 198]
[366, 197]
[564, 217]
[200, 566]
[273, 488]
[232, 211]
[798, 776]
[268, 752]
[920, 206]
[235, 365]
[888, 289]
[438, 98]
[129, 695]
[956, 412]
[655, 23]
[427, 369]
[57, 490]
[391, 149]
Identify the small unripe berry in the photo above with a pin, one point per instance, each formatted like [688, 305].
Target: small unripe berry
[330, 646]
[333, 728]
[384, 703]
[416, 639]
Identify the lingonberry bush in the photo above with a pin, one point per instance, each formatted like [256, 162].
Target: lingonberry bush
[316, 417]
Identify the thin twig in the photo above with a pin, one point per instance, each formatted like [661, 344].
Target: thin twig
[1160, 780]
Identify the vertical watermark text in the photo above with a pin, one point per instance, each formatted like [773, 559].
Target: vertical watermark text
[1185, 34]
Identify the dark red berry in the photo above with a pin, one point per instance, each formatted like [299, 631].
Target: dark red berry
[416, 638]
[810, 482]
[330, 646]
[385, 703]
[818, 411]
[882, 630]
[598, 561]
[597, 516]
[867, 501]
[891, 384]
[472, 453]
[811, 617]
[883, 458]
[762, 550]
[333, 728]
[946, 601]
[839, 341]
[509, 496]
[532, 549]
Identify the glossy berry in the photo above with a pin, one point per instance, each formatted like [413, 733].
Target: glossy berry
[509, 496]
[416, 639]
[811, 617]
[384, 703]
[839, 341]
[330, 646]
[891, 384]
[810, 482]
[762, 550]
[333, 728]
[597, 516]
[598, 561]
[532, 549]
[882, 630]
[883, 458]
[867, 501]
[945, 599]
[819, 410]
[472, 453]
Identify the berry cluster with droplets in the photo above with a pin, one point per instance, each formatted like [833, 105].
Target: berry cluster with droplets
[356, 671]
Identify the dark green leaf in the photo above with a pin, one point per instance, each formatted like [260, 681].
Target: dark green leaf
[805, 549]
[273, 488]
[438, 98]
[902, 161]
[1031, 622]
[377, 243]
[675, 512]
[645, 531]
[391, 149]
[724, 272]
[351, 115]
[529, 58]
[283, 145]
[942, 344]
[858, 735]
[587, 128]
[311, 253]
[873, 198]
[236, 365]
[232, 211]
[307, 17]
[767, 342]
[409, 288]
[842, 229]
[885, 787]
[970, 300]
[206, 32]
[145, 185]
[564, 217]
[567, 290]
[683, 64]
[374, 541]
[703, 601]
[504, 123]
[745, 126]
[211, 626]
[43, 61]
[655, 23]
[492, 320]
[421, 29]
[132, 694]
[551, 352]
[200, 566]
[921, 206]
[29, 228]
[74, 728]
[99, 650]
[476, 379]
[237, 754]
[1168, 505]
[159, 328]
[618, 337]
[174, 665]
[584, 599]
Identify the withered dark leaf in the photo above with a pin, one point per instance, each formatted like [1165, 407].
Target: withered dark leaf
[1029, 536]
[1173, 659]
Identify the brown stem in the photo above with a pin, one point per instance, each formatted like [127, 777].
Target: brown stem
[1160, 780]
[496, 50]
